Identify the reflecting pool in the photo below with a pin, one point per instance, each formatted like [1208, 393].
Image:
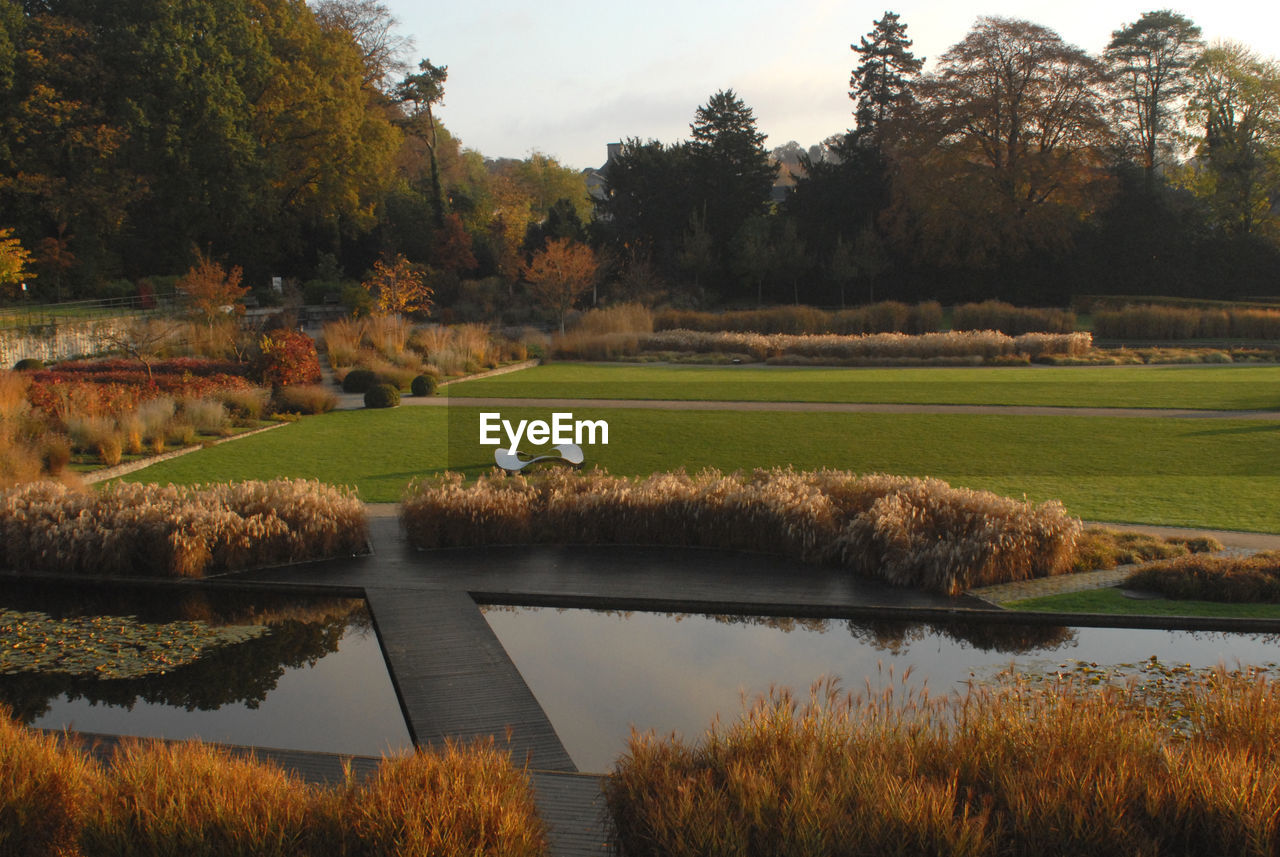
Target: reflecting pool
[597, 674]
[258, 669]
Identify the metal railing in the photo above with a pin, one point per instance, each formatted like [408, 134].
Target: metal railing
[45, 316]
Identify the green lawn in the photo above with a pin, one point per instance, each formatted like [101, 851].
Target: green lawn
[1184, 472]
[1206, 387]
[1110, 600]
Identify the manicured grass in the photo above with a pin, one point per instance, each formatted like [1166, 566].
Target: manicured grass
[1224, 475]
[1110, 600]
[1205, 387]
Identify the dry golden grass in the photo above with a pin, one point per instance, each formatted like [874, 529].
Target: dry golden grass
[462, 799]
[172, 531]
[46, 792]
[1103, 547]
[1156, 322]
[882, 317]
[1010, 319]
[910, 532]
[1021, 769]
[196, 800]
[870, 348]
[1241, 579]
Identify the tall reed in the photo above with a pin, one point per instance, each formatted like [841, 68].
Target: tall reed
[910, 532]
[153, 798]
[172, 531]
[1012, 320]
[1061, 768]
[47, 790]
[981, 345]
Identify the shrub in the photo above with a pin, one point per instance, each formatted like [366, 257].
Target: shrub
[911, 532]
[359, 381]
[381, 396]
[46, 791]
[423, 385]
[27, 364]
[304, 399]
[287, 357]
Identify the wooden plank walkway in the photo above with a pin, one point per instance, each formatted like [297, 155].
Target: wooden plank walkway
[456, 681]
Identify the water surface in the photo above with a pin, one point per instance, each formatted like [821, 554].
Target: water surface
[598, 674]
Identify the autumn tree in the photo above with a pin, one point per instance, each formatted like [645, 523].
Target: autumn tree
[561, 274]
[399, 288]
[212, 291]
[1008, 151]
[15, 261]
[880, 86]
[372, 27]
[1235, 107]
[1150, 64]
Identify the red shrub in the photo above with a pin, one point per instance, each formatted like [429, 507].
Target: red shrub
[288, 357]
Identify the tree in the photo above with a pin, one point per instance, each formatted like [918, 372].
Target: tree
[881, 83]
[1236, 104]
[732, 168]
[399, 287]
[753, 253]
[422, 91]
[15, 261]
[560, 274]
[142, 339]
[1008, 151]
[1150, 63]
[212, 291]
[371, 26]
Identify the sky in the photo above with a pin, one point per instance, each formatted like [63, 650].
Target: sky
[565, 77]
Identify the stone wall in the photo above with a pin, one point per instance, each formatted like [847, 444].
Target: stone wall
[58, 341]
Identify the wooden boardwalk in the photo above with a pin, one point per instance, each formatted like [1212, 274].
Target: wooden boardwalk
[455, 680]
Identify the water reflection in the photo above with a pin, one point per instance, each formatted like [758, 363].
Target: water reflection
[296, 673]
[597, 675]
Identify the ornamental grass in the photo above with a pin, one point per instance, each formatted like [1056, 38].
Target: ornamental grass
[174, 531]
[1024, 768]
[909, 532]
[155, 798]
[47, 790]
[1240, 579]
[984, 345]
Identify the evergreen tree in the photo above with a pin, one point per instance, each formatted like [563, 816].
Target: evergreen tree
[735, 177]
[882, 81]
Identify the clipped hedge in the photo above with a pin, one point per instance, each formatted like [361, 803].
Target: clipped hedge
[381, 396]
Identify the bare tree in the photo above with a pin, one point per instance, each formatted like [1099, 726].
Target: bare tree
[373, 28]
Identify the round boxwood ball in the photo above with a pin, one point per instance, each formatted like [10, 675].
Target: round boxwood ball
[381, 396]
[28, 363]
[423, 385]
[359, 381]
